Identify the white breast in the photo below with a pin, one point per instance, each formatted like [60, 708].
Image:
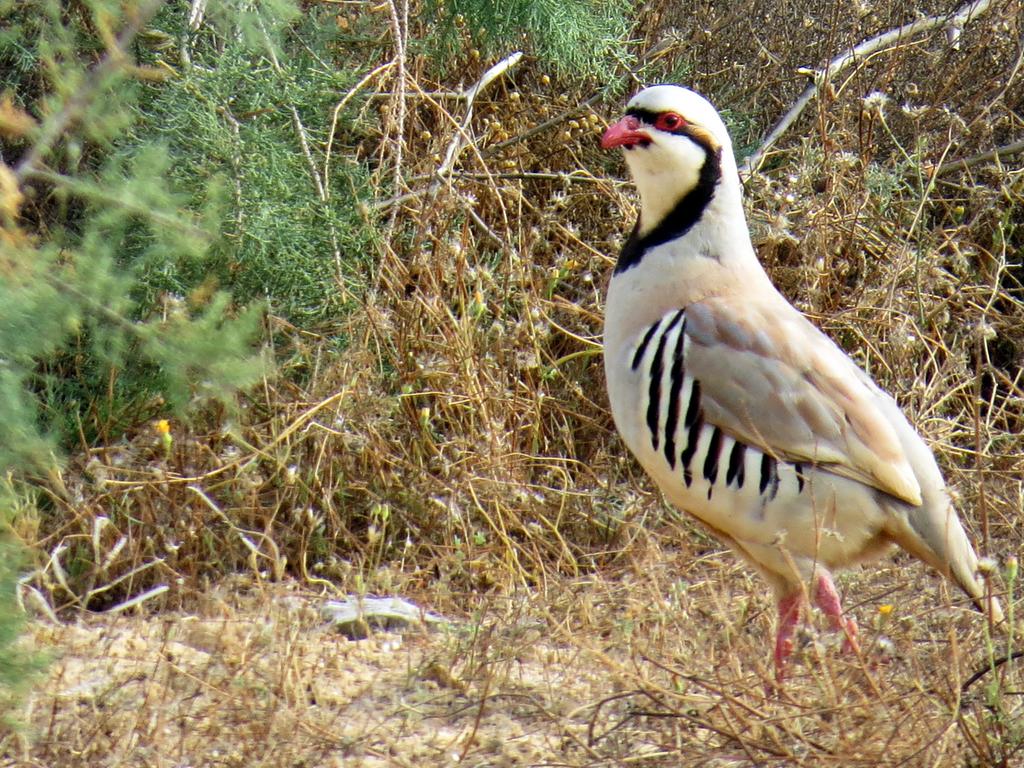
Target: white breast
[754, 498]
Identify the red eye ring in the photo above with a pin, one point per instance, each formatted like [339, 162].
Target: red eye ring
[669, 121]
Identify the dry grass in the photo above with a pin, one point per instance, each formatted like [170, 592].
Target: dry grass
[460, 451]
[658, 662]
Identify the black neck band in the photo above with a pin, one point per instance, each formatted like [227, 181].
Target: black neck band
[681, 218]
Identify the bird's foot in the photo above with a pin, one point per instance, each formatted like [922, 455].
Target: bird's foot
[827, 599]
[789, 617]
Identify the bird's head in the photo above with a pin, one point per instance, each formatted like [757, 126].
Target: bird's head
[674, 141]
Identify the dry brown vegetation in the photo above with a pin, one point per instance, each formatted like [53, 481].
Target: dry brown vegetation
[460, 451]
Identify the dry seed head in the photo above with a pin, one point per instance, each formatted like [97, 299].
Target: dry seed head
[987, 566]
[875, 102]
[984, 331]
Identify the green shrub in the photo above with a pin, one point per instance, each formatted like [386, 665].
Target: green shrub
[179, 191]
[579, 38]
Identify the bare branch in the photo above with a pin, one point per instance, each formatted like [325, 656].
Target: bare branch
[138, 599]
[337, 111]
[1007, 150]
[954, 24]
[399, 32]
[549, 123]
[461, 137]
[460, 140]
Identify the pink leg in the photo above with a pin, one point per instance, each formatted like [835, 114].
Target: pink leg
[789, 617]
[827, 599]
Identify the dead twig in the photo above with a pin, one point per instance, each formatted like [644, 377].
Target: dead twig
[952, 22]
[991, 667]
[1007, 150]
[399, 18]
[459, 142]
[149, 594]
[245, 535]
[549, 123]
[337, 111]
[462, 137]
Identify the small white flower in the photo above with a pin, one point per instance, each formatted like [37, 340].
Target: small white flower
[985, 331]
[875, 102]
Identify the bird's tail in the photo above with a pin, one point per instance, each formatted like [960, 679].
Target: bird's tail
[939, 539]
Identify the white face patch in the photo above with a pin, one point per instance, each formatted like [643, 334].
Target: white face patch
[668, 168]
[664, 172]
[693, 107]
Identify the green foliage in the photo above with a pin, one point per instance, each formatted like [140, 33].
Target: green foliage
[18, 665]
[83, 227]
[231, 113]
[579, 38]
[18, 662]
[179, 175]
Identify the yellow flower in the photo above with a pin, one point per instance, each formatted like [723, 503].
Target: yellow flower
[163, 428]
[885, 609]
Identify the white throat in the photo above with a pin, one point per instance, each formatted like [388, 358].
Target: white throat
[713, 257]
[663, 176]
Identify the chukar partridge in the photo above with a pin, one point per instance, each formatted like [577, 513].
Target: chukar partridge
[743, 412]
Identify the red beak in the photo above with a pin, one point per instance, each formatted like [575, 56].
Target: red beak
[625, 133]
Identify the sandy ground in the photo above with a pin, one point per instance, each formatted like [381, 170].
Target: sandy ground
[587, 672]
[270, 683]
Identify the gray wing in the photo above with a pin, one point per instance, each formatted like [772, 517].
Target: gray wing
[769, 378]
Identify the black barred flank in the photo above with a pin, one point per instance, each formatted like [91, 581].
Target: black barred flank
[693, 408]
[768, 471]
[711, 460]
[654, 392]
[736, 463]
[643, 345]
[692, 436]
[675, 391]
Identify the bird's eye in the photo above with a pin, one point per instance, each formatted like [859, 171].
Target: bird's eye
[669, 121]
